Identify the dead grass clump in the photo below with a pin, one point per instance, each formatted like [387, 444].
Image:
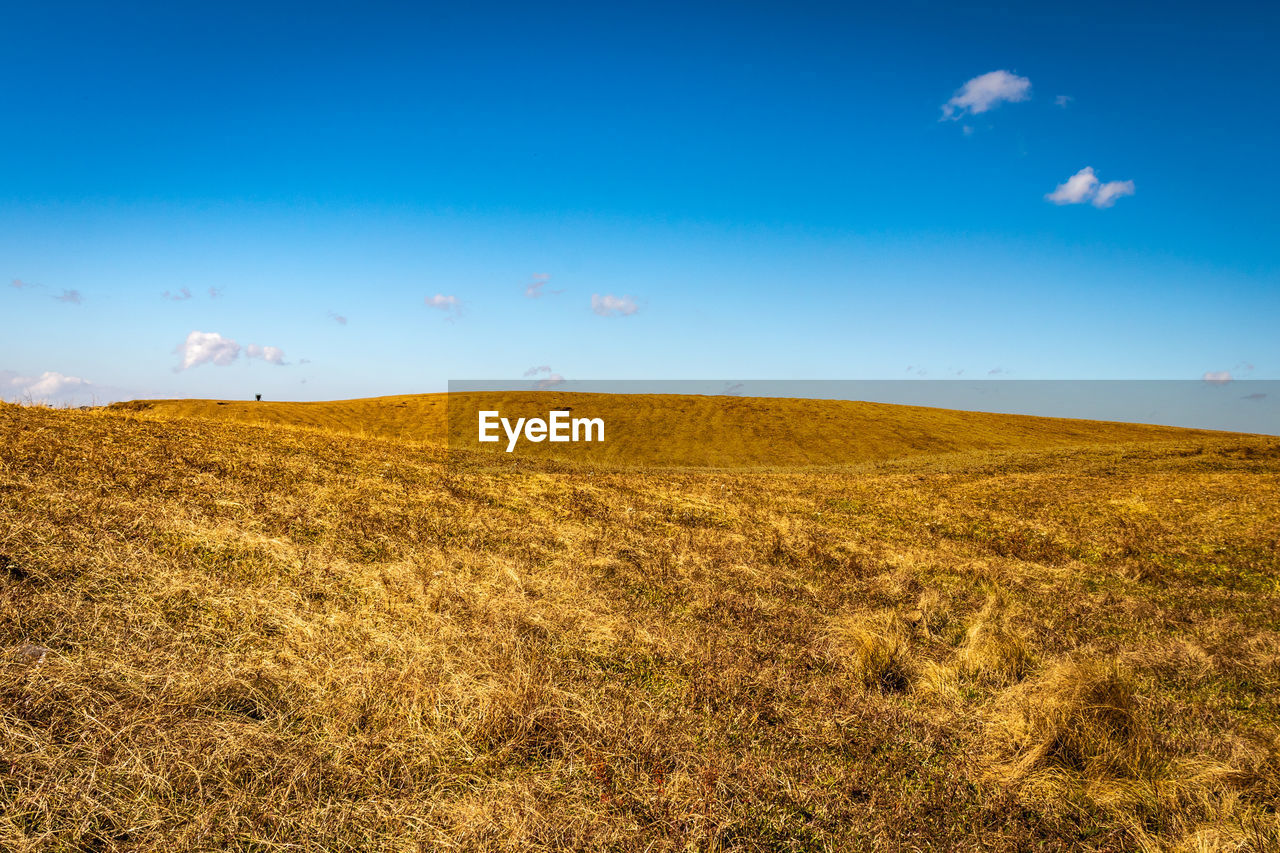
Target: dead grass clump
[931, 614]
[993, 651]
[876, 652]
[939, 681]
[1081, 741]
[1083, 717]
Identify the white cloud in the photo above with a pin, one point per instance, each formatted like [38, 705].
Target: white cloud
[47, 386]
[212, 348]
[1112, 190]
[20, 284]
[271, 355]
[181, 296]
[51, 383]
[1063, 100]
[985, 92]
[72, 297]
[534, 371]
[1217, 377]
[1084, 186]
[610, 305]
[442, 302]
[338, 318]
[207, 348]
[1077, 188]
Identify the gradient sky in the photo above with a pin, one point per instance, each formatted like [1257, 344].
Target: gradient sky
[707, 190]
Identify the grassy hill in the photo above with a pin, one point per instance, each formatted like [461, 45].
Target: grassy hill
[219, 635]
[685, 430]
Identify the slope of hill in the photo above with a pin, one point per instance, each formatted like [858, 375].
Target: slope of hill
[686, 430]
[220, 635]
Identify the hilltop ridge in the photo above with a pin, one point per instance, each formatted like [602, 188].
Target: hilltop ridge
[688, 430]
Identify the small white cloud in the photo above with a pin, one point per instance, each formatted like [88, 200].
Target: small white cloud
[985, 92]
[1063, 101]
[46, 387]
[609, 305]
[534, 371]
[215, 292]
[338, 318]
[1217, 377]
[271, 355]
[181, 296]
[1077, 188]
[206, 348]
[1110, 191]
[71, 297]
[442, 302]
[20, 284]
[1084, 186]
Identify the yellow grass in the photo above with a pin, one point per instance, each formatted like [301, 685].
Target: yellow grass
[227, 635]
[684, 430]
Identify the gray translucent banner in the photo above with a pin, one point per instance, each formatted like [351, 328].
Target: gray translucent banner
[763, 422]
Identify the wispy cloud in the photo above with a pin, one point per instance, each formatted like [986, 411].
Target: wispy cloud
[549, 377]
[215, 292]
[442, 302]
[71, 297]
[609, 305]
[182, 295]
[1084, 186]
[985, 92]
[1063, 101]
[338, 318]
[1217, 377]
[23, 285]
[537, 281]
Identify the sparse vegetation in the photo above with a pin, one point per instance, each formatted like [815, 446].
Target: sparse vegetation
[231, 635]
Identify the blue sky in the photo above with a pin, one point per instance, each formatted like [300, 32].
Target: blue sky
[710, 190]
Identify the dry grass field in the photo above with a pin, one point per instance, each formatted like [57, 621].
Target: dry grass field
[679, 430]
[256, 636]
